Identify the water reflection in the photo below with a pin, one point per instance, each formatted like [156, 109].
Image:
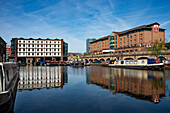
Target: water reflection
[141, 84]
[42, 77]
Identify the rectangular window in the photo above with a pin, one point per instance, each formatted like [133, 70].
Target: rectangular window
[141, 39]
[134, 35]
[130, 41]
[130, 36]
[135, 40]
[141, 34]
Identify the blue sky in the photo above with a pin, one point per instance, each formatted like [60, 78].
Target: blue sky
[76, 20]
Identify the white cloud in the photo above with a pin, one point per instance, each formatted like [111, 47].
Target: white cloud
[165, 23]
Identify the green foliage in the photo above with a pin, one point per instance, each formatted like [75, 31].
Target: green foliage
[167, 44]
[86, 54]
[157, 48]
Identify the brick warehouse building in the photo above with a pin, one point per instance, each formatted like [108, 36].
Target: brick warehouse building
[31, 50]
[2, 50]
[135, 39]
[8, 51]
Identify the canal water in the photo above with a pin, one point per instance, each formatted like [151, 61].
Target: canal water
[92, 89]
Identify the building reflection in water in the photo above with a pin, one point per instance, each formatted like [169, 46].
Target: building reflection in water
[32, 77]
[140, 84]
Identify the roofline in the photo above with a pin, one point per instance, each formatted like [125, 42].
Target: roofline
[100, 38]
[36, 39]
[3, 40]
[137, 28]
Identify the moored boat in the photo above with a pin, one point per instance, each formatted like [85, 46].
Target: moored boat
[9, 76]
[167, 62]
[138, 64]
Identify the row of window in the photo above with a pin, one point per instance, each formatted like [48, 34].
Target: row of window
[101, 46]
[38, 41]
[135, 45]
[39, 54]
[130, 41]
[130, 37]
[23, 45]
[39, 49]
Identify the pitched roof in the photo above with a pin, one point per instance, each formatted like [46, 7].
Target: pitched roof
[138, 28]
[100, 39]
[3, 40]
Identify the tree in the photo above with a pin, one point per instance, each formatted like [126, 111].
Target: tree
[86, 54]
[157, 48]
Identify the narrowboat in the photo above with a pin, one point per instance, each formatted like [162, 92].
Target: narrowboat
[77, 64]
[138, 64]
[167, 62]
[9, 76]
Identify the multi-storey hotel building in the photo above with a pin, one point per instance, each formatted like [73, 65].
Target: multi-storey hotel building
[99, 45]
[29, 50]
[135, 39]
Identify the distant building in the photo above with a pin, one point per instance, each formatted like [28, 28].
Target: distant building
[88, 41]
[8, 51]
[131, 40]
[74, 56]
[2, 50]
[31, 50]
